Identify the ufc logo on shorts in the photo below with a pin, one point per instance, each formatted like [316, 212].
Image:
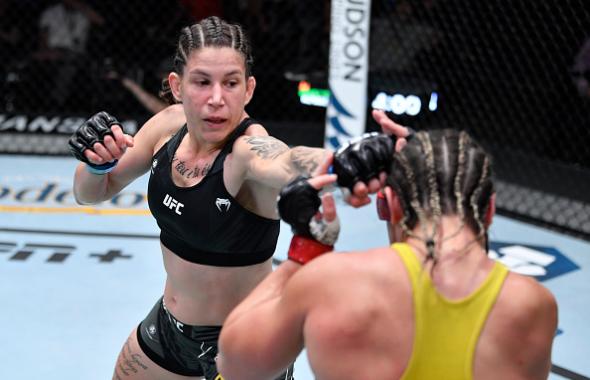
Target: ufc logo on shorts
[173, 204]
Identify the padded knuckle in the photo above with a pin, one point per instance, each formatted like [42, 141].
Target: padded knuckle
[298, 203]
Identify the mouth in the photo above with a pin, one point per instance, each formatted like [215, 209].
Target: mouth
[215, 121]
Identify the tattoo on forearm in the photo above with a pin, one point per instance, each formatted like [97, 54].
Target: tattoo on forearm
[267, 147]
[306, 160]
[184, 171]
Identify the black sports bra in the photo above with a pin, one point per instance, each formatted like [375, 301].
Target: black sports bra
[204, 224]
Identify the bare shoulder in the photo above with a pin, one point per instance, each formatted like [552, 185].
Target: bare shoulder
[160, 127]
[357, 270]
[527, 295]
[527, 311]
[345, 295]
[256, 130]
[259, 145]
[169, 119]
[524, 322]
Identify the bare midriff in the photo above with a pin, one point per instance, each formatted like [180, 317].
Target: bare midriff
[203, 295]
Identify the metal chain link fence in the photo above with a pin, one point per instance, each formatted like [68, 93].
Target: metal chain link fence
[514, 73]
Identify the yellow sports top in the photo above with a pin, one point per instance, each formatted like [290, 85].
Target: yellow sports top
[446, 332]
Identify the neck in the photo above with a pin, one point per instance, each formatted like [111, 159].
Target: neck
[460, 261]
[199, 146]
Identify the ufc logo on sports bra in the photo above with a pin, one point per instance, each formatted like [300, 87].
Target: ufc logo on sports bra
[173, 204]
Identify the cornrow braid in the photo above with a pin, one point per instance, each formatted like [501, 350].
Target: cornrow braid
[233, 38]
[408, 210]
[416, 208]
[475, 197]
[433, 197]
[461, 185]
[457, 185]
[459, 175]
[433, 192]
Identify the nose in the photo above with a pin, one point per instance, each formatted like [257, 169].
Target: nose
[216, 98]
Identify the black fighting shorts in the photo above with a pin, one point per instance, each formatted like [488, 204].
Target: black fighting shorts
[182, 349]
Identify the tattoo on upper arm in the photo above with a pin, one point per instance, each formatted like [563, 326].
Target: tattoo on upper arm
[306, 160]
[266, 147]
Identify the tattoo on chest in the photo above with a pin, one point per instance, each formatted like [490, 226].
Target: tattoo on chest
[267, 147]
[184, 170]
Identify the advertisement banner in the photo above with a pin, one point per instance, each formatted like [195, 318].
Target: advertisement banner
[349, 64]
[44, 134]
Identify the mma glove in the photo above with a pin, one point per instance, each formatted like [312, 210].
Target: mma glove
[363, 158]
[298, 204]
[93, 131]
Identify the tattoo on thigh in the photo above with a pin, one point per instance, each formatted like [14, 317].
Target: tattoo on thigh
[267, 147]
[129, 363]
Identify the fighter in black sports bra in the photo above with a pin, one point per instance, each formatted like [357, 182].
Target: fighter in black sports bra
[204, 224]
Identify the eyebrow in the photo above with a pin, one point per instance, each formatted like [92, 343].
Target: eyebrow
[206, 74]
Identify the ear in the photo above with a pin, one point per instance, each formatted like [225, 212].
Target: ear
[175, 85]
[491, 211]
[395, 207]
[250, 86]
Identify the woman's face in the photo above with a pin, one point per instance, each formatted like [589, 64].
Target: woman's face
[214, 91]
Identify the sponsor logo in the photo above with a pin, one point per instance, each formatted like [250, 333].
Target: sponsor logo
[58, 193]
[338, 131]
[51, 124]
[204, 350]
[175, 322]
[154, 164]
[173, 204]
[349, 47]
[223, 204]
[543, 263]
[15, 251]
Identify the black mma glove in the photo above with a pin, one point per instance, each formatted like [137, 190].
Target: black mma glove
[298, 204]
[92, 131]
[364, 158]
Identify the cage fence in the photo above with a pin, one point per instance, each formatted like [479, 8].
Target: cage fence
[515, 74]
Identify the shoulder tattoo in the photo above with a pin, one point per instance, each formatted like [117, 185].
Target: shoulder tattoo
[266, 147]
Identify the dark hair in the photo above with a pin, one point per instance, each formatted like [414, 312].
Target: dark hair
[209, 32]
[442, 172]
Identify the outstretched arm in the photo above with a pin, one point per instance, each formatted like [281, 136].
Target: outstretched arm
[272, 163]
[360, 166]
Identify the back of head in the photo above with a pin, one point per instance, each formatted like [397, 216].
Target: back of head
[442, 173]
[209, 32]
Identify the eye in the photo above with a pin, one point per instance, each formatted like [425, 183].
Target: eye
[232, 83]
[201, 82]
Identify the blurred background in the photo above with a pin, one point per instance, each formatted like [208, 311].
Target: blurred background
[514, 73]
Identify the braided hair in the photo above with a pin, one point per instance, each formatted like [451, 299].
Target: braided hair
[438, 173]
[209, 32]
